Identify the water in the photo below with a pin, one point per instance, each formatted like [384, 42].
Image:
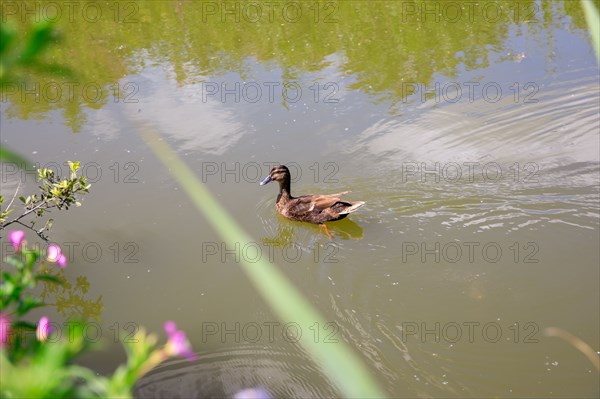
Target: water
[481, 226]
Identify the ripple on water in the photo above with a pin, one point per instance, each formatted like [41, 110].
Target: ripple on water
[549, 172]
[284, 373]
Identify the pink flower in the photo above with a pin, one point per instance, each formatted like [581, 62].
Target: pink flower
[4, 330]
[16, 239]
[43, 329]
[178, 344]
[53, 253]
[170, 327]
[62, 261]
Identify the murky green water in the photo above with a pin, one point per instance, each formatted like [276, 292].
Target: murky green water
[471, 133]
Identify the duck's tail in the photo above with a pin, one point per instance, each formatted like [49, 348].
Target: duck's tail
[353, 206]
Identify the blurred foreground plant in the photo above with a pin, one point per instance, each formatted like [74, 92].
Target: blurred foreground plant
[55, 192]
[42, 367]
[16, 61]
[592, 17]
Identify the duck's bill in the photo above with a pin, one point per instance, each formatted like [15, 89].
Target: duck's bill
[265, 180]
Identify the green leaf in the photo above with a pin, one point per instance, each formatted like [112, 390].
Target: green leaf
[74, 166]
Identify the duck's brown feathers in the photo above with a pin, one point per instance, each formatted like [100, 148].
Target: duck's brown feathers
[313, 208]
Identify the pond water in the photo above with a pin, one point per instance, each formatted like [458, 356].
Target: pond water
[471, 132]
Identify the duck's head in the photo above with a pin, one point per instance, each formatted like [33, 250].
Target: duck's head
[279, 173]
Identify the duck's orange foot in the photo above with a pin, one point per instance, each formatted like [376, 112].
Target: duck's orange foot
[327, 231]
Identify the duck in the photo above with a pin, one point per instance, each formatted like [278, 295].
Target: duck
[311, 208]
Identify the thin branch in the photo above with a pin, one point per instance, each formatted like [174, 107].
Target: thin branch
[39, 233]
[27, 213]
[14, 196]
[35, 208]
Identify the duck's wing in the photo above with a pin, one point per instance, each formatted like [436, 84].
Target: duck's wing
[317, 202]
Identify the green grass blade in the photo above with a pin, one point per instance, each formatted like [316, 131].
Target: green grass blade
[337, 360]
[592, 17]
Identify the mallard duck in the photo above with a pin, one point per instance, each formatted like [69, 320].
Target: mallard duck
[313, 208]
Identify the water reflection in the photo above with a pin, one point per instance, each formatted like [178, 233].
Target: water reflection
[196, 123]
[72, 300]
[344, 229]
[384, 56]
